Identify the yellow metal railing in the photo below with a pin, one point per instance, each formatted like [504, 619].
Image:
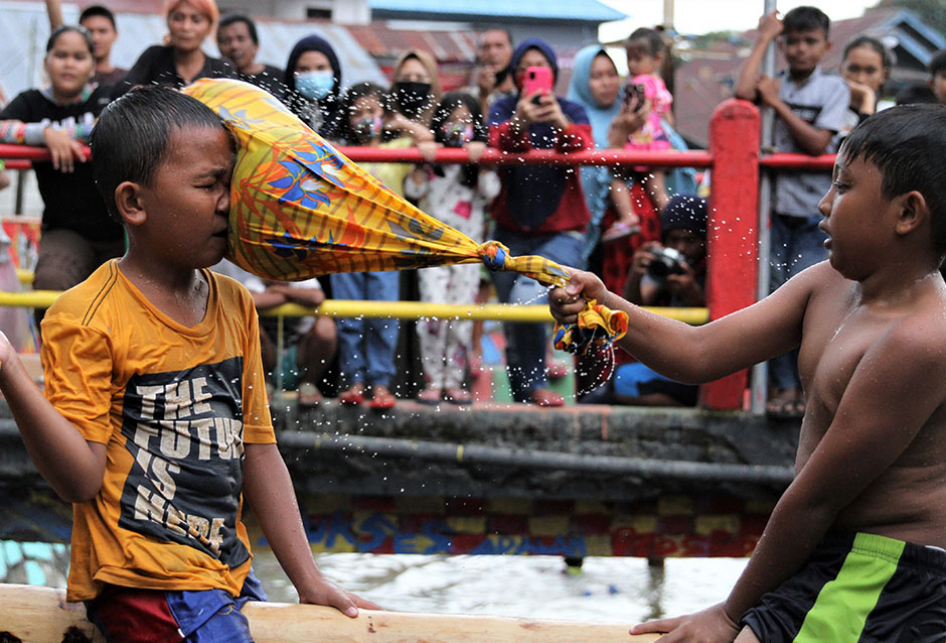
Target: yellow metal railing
[389, 309]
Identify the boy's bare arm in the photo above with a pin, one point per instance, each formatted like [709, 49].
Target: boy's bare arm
[54, 11]
[73, 467]
[769, 29]
[268, 488]
[696, 354]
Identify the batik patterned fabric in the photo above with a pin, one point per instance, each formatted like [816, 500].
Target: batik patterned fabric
[300, 209]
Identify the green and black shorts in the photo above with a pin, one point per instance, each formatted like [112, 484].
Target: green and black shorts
[858, 588]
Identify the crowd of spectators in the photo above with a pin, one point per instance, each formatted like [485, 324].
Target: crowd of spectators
[642, 229]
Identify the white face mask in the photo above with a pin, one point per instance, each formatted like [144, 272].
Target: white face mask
[315, 85]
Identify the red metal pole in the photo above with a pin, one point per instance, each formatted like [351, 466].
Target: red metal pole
[731, 233]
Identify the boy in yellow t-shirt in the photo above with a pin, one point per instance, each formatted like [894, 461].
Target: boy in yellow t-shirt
[157, 422]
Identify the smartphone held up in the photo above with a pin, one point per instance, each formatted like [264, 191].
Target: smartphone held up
[634, 96]
[538, 79]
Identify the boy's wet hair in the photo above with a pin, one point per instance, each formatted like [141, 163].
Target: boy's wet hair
[132, 135]
[646, 41]
[806, 19]
[906, 144]
[937, 63]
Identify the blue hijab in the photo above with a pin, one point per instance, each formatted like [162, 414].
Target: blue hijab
[595, 181]
[579, 91]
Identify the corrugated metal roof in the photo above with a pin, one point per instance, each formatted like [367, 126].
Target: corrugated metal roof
[557, 10]
[381, 41]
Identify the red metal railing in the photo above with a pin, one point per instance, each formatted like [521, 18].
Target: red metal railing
[22, 155]
[735, 160]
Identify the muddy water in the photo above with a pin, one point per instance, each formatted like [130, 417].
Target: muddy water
[607, 589]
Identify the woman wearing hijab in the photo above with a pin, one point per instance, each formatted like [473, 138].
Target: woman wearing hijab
[540, 210]
[596, 86]
[313, 79]
[414, 95]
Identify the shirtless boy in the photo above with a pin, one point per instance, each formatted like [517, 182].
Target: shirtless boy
[157, 423]
[853, 550]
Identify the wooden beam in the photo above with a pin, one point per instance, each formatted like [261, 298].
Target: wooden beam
[42, 615]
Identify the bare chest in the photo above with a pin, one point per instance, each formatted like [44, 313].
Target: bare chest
[830, 354]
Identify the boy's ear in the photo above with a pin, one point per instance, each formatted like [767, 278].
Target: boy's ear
[129, 204]
[913, 212]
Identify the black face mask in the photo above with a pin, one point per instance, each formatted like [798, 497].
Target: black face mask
[411, 97]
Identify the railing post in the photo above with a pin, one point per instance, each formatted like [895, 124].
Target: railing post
[731, 233]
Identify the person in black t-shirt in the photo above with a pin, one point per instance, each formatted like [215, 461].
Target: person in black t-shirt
[181, 61]
[77, 234]
[238, 42]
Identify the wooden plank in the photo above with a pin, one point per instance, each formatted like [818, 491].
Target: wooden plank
[42, 615]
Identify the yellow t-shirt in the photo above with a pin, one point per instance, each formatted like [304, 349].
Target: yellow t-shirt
[392, 175]
[174, 407]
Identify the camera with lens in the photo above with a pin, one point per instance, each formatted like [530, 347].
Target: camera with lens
[666, 262]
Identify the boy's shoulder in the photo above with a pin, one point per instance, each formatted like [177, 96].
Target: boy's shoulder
[915, 333]
[80, 303]
[921, 330]
[230, 289]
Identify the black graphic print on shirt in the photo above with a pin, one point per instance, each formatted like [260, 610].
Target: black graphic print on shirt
[185, 431]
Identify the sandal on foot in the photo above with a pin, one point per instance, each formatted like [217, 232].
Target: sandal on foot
[458, 396]
[353, 396]
[619, 231]
[430, 396]
[783, 404]
[546, 397]
[799, 407]
[309, 395]
[382, 398]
